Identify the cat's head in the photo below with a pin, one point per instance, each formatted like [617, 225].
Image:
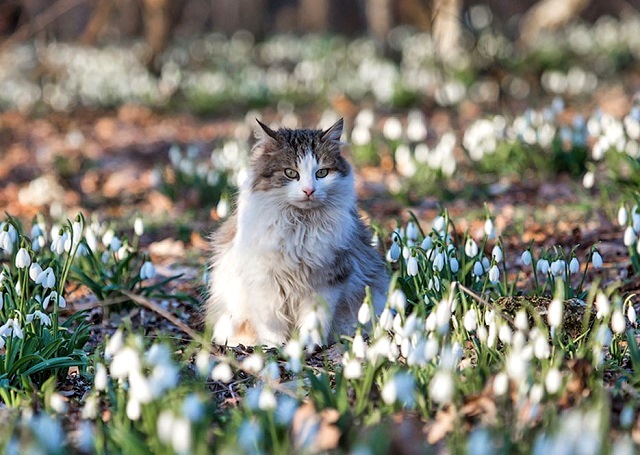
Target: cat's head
[302, 168]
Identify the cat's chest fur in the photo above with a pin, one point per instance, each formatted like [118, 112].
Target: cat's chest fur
[286, 240]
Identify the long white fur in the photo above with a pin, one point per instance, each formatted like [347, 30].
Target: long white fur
[272, 241]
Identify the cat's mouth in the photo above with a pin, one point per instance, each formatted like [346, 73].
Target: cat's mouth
[307, 203]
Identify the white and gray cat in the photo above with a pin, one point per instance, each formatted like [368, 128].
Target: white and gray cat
[295, 252]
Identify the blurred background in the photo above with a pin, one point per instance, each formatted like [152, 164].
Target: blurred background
[119, 107]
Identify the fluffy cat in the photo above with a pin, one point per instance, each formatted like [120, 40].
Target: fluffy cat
[295, 256]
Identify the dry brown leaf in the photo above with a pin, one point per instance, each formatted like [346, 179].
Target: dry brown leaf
[443, 424]
[315, 432]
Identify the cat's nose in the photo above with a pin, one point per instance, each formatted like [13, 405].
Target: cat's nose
[308, 191]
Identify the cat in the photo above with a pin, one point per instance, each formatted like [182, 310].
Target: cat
[294, 257]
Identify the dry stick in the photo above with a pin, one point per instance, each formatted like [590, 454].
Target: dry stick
[40, 22]
[195, 336]
[485, 302]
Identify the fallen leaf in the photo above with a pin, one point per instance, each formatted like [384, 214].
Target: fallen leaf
[315, 432]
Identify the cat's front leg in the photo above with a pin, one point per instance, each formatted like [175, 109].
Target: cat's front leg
[315, 316]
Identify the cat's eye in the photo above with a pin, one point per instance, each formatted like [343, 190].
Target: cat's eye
[291, 173]
[322, 173]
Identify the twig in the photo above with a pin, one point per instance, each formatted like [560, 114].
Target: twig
[485, 302]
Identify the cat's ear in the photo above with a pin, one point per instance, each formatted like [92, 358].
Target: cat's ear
[268, 131]
[334, 132]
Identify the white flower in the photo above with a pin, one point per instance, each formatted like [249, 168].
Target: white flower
[352, 368]
[441, 387]
[125, 361]
[478, 270]
[438, 262]
[399, 388]
[631, 314]
[267, 400]
[158, 354]
[138, 226]
[54, 297]
[253, 363]
[34, 271]
[58, 244]
[574, 265]
[398, 300]
[392, 129]
[133, 409]
[471, 248]
[412, 266]
[558, 267]
[394, 252]
[23, 260]
[520, 321]
[526, 258]
[100, 378]
[222, 372]
[386, 319]
[554, 315]
[181, 439]
[1, 300]
[147, 271]
[454, 265]
[494, 274]
[203, 362]
[496, 253]
[439, 224]
[470, 320]
[622, 216]
[364, 313]
[115, 244]
[541, 347]
[164, 425]
[115, 343]
[58, 403]
[427, 243]
[629, 236]
[489, 230]
[293, 351]
[543, 266]
[596, 260]
[412, 231]
[358, 346]
[500, 384]
[44, 319]
[603, 305]
[618, 324]
[11, 328]
[46, 278]
[553, 380]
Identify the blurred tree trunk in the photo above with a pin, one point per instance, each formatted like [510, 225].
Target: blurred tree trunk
[548, 15]
[313, 15]
[416, 13]
[160, 17]
[97, 23]
[446, 27]
[379, 18]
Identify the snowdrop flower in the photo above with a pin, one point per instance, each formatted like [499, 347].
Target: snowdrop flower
[622, 216]
[386, 319]
[442, 387]
[125, 362]
[427, 243]
[8, 237]
[23, 260]
[398, 300]
[358, 346]
[596, 260]
[541, 349]
[558, 267]
[352, 368]
[147, 271]
[100, 379]
[553, 380]
[470, 320]
[293, 351]
[629, 236]
[253, 363]
[133, 409]
[364, 313]
[443, 316]
[394, 252]
[113, 346]
[412, 266]
[496, 253]
[11, 328]
[489, 230]
[486, 264]
[574, 266]
[42, 317]
[222, 372]
[58, 403]
[58, 244]
[602, 305]
[54, 297]
[164, 426]
[543, 266]
[1, 300]
[526, 258]
[438, 262]
[392, 129]
[631, 314]
[439, 224]
[500, 384]
[138, 226]
[520, 321]
[46, 278]
[478, 270]
[267, 400]
[494, 274]
[398, 388]
[412, 231]
[554, 315]
[115, 244]
[471, 248]
[454, 265]
[618, 324]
